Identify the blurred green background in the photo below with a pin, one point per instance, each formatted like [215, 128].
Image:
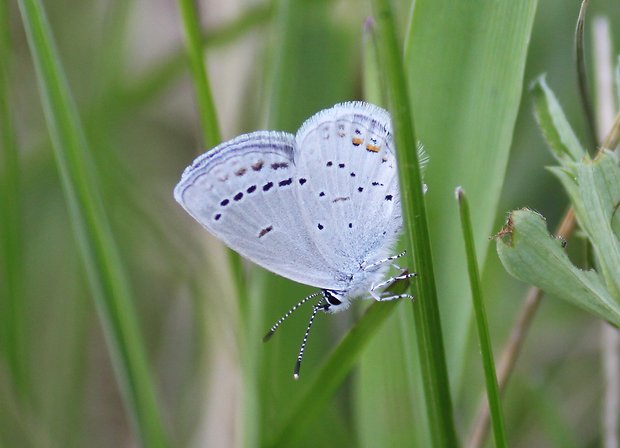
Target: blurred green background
[271, 65]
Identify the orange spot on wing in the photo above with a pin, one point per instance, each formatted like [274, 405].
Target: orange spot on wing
[372, 148]
[357, 141]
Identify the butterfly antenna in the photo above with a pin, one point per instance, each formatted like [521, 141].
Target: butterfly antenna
[275, 326]
[300, 356]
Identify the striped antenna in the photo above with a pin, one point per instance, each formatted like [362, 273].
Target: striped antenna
[275, 326]
[300, 356]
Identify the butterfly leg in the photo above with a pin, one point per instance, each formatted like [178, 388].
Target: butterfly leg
[384, 260]
[391, 280]
[395, 297]
[384, 295]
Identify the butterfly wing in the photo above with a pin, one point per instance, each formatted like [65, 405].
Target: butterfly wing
[352, 206]
[244, 192]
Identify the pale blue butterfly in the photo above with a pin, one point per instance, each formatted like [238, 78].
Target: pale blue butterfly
[321, 207]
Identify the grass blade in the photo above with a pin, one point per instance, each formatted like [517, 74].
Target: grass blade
[10, 225]
[204, 98]
[426, 309]
[497, 417]
[99, 252]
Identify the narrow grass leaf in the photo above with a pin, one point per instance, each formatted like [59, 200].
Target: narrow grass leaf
[531, 254]
[484, 340]
[204, 98]
[99, 252]
[429, 336]
[11, 244]
[557, 131]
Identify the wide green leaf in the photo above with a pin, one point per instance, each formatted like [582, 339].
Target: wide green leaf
[466, 62]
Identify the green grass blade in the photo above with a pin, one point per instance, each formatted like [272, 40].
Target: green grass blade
[426, 309]
[99, 252]
[204, 98]
[465, 62]
[495, 406]
[12, 333]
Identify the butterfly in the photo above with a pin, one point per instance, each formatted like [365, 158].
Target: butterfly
[321, 207]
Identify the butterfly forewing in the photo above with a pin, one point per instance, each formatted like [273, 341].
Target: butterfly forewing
[245, 192]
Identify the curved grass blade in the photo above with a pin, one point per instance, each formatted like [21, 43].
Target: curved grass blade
[429, 336]
[98, 248]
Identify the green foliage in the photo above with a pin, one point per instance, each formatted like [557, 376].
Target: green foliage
[98, 247]
[527, 250]
[102, 274]
[532, 255]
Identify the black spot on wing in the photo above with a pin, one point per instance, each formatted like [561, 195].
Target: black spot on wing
[278, 165]
[265, 231]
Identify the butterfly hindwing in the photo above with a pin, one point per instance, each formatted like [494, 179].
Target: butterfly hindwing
[352, 210]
